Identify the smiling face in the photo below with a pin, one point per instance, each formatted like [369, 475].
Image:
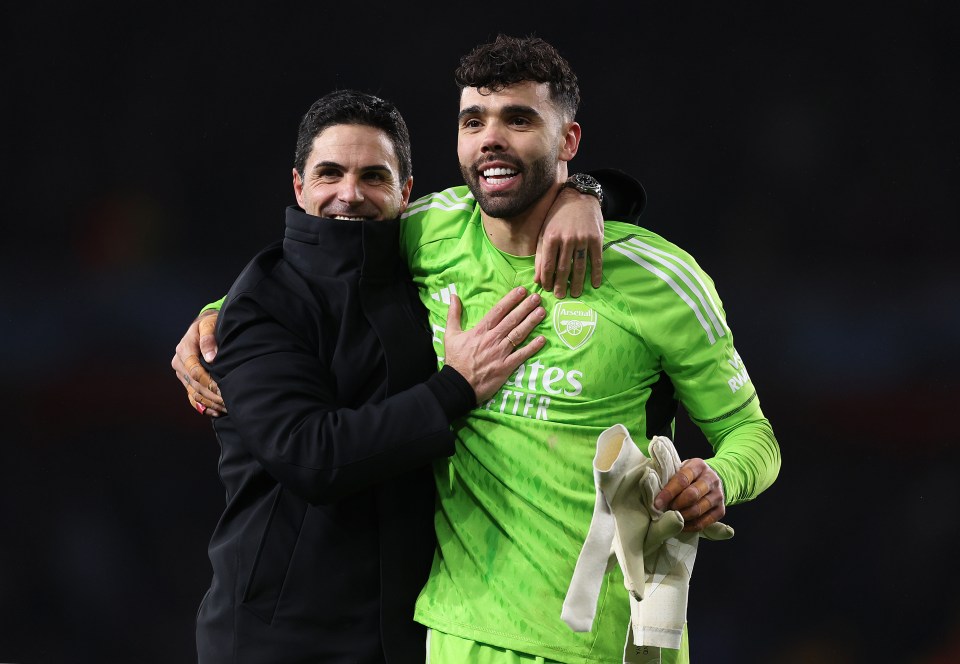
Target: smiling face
[513, 145]
[352, 172]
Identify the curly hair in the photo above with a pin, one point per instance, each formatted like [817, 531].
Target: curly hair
[357, 108]
[509, 60]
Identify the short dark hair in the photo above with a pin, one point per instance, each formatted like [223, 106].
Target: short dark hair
[509, 60]
[357, 108]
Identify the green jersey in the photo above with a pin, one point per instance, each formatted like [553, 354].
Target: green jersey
[516, 499]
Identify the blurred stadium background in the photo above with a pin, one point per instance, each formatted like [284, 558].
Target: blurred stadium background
[808, 156]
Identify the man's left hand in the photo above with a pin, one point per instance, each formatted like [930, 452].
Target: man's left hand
[696, 491]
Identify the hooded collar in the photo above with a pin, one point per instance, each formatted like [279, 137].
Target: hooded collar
[337, 247]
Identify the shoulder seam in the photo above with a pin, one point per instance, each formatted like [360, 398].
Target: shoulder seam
[618, 241]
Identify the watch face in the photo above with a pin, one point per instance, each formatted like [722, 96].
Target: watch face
[586, 184]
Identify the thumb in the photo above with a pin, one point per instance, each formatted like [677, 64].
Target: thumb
[208, 342]
[454, 312]
[717, 531]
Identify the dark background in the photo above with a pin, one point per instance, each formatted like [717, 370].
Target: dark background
[808, 156]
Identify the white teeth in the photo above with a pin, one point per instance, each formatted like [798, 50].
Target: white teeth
[493, 172]
[344, 218]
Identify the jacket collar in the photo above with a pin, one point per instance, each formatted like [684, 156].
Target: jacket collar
[336, 247]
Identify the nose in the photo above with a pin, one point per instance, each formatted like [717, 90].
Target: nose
[494, 138]
[350, 190]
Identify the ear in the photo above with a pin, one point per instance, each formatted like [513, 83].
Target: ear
[298, 187]
[571, 142]
[405, 194]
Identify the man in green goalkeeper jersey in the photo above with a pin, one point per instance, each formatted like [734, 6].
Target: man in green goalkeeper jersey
[516, 499]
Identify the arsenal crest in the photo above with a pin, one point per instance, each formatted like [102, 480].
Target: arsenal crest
[574, 322]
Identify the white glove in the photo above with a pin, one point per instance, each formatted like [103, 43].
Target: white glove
[655, 556]
[623, 527]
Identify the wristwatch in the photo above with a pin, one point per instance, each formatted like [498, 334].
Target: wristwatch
[585, 184]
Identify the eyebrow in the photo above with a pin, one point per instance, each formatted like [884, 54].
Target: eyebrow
[512, 109]
[470, 110]
[363, 169]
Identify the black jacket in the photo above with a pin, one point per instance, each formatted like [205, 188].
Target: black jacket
[335, 413]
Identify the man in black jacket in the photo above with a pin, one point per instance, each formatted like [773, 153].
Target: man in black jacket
[336, 411]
